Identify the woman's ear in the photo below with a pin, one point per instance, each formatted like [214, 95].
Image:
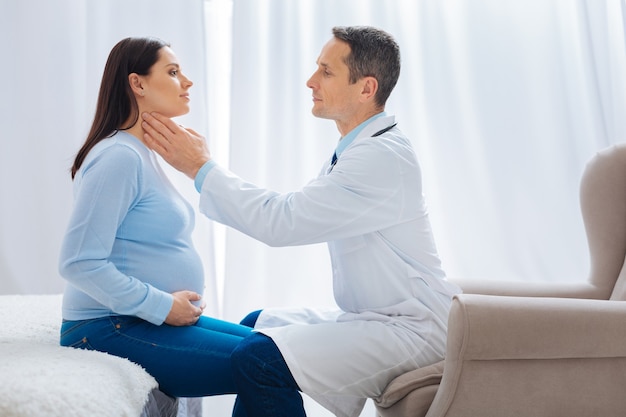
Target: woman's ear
[135, 83]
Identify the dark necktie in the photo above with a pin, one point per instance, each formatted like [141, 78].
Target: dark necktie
[333, 161]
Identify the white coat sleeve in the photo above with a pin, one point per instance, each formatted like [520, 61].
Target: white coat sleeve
[368, 189]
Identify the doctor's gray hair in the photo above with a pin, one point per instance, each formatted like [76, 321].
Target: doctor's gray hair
[374, 53]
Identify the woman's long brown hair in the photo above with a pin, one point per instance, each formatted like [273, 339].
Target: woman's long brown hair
[116, 101]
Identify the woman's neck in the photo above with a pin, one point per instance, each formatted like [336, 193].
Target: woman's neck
[136, 130]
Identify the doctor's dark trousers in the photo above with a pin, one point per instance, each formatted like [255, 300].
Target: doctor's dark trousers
[265, 385]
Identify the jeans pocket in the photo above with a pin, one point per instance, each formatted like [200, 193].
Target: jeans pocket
[74, 334]
[124, 323]
[81, 344]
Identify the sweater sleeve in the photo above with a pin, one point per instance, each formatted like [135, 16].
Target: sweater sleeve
[109, 186]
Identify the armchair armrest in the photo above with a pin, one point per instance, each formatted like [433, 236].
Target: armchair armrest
[509, 356]
[410, 394]
[533, 288]
[483, 327]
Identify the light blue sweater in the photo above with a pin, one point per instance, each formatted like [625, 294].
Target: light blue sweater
[128, 244]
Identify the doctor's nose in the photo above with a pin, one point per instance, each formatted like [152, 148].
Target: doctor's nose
[310, 82]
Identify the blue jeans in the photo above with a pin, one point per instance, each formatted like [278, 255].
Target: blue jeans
[265, 385]
[188, 361]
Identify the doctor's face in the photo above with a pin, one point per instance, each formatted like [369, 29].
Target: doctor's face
[333, 96]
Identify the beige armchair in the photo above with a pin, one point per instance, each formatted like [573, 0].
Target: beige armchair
[537, 349]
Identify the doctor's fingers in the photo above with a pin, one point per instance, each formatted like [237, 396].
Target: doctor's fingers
[164, 125]
[155, 140]
[155, 127]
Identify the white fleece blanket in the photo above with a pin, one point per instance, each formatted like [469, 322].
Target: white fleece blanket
[40, 378]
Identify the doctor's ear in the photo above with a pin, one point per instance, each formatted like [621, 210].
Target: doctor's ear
[136, 84]
[370, 87]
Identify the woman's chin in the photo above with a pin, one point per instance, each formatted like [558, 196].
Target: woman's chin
[171, 114]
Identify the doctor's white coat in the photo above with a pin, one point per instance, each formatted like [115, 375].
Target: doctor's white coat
[387, 276]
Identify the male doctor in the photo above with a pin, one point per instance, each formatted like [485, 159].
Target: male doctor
[367, 204]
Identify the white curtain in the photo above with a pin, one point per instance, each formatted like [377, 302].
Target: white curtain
[505, 101]
[52, 63]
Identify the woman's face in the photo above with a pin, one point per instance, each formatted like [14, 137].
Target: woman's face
[165, 89]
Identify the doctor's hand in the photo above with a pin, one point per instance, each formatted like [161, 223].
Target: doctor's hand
[182, 148]
[183, 311]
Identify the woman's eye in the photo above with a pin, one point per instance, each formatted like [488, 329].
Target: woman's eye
[174, 73]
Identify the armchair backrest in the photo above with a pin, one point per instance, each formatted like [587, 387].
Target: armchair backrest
[603, 205]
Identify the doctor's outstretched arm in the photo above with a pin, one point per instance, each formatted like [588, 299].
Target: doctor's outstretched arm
[182, 148]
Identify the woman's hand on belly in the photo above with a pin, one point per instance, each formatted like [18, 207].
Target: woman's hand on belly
[183, 311]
